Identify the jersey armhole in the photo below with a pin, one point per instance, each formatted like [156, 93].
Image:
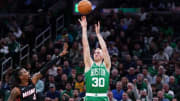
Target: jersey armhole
[89, 68]
[106, 68]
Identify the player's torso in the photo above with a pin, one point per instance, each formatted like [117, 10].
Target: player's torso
[97, 79]
[28, 93]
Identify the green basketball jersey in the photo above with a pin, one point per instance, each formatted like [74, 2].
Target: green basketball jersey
[97, 79]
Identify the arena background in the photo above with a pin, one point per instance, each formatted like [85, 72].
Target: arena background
[143, 38]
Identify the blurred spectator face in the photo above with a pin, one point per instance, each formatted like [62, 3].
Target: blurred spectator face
[128, 58]
[171, 80]
[35, 57]
[139, 78]
[66, 64]
[51, 78]
[114, 72]
[98, 55]
[124, 96]
[68, 86]
[143, 93]
[158, 79]
[28, 66]
[38, 65]
[56, 51]
[50, 46]
[12, 37]
[110, 94]
[174, 99]
[124, 80]
[80, 77]
[130, 86]
[59, 70]
[161, 70]
[139, 62]
[120, 66]
[48, 57]
[81, 64]
[118, 86]
[73, 71]
[145, 72]
[43, 50]
[71, 99]
[166, 87]
[131, 71]
[155, 99]
[122, 34]
[75, 45]
[75, 93]
[64, 77]
[177, 70]
[137, 46]
[52, 88]
[160, 94]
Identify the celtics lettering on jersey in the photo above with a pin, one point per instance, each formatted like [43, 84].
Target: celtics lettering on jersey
[97, 79]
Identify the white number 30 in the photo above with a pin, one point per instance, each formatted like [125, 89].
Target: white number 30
[98, 82]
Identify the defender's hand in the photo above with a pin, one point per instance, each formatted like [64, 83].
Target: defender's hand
[65, 51]
[83, 21]
[97, 28]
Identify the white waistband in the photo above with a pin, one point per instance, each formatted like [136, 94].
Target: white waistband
[96, 94]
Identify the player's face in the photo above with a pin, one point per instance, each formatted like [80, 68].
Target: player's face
[24, 74]
[98, 56]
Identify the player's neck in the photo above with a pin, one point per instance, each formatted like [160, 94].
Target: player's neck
[24, 83]
[98, 62]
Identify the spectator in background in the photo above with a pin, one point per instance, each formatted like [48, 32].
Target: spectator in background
[110, 96]
[125, 97]
[80, 67]
[76, 95]
[124, 82]
[113, 49]
[66, 67]
[52, 94]
[79, 84]
[167, 48]
[132, 92]
[118, 92]
[172, 83]
[146, 75]
[68, 93]
[161, 71]
[161, 55]
[158, 82]
[160, 96]
[131, 74]
[43, 53]
[53, 71]
[64, 36]
[75, 54]
[3, 48]
[62, 84]
[169, 94]
[140, 82]
[145, 94]
[40, 89]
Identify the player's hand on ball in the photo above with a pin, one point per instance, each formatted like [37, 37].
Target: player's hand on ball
[97, 28]
[83, 21]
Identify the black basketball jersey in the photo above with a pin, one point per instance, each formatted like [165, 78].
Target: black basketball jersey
[28, 93]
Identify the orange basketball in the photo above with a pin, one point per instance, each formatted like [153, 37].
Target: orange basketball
[84, 7]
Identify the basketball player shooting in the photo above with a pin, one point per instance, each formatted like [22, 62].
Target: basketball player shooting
[97, 70]
[24, 89]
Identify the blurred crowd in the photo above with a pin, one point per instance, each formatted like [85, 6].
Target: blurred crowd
[144, 50]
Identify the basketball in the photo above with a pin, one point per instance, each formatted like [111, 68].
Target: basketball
[84, 7]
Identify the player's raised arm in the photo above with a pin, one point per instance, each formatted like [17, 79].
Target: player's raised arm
[86, 51]
[14, 94]
[102, 43]
[43, 71]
